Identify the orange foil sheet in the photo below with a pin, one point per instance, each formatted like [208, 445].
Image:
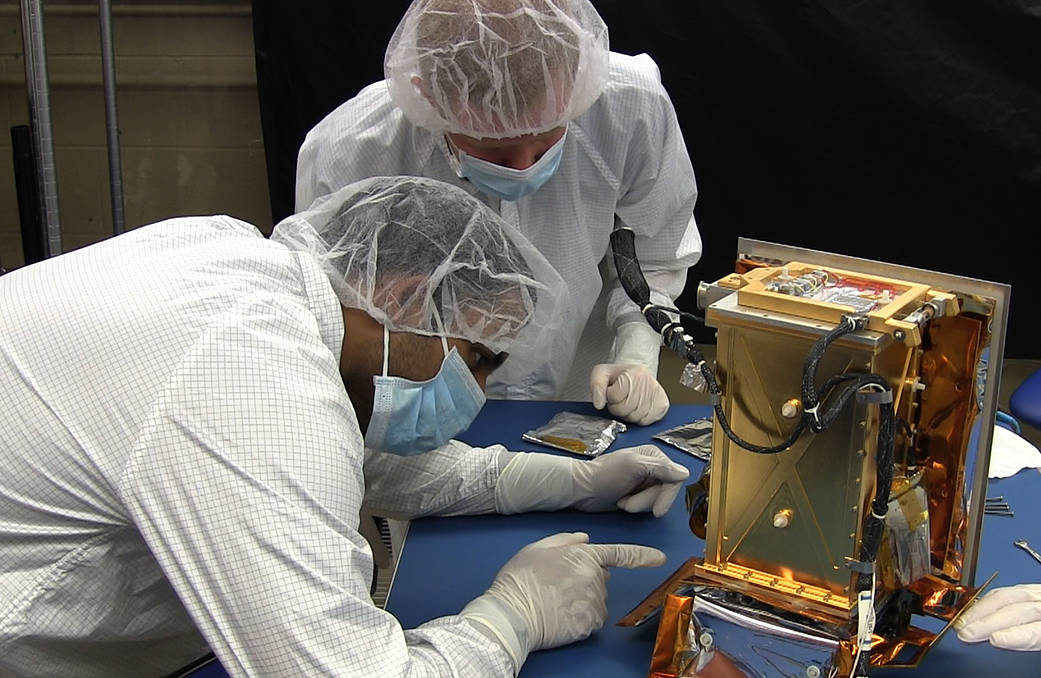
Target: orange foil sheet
[672, 635]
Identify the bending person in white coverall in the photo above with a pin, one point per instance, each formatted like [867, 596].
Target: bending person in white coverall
[520, 103]
[182, 450]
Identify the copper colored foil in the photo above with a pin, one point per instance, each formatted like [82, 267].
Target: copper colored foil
[672, 635]
[946, 413]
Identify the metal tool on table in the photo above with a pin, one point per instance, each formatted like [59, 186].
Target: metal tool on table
[1022, 543]
[997, 506]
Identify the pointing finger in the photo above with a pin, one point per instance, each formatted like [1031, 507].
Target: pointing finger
[626, 555]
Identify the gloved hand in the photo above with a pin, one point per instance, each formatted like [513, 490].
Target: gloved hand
[631, 392]
[634, 479]
[553, 592]
[628, 384]
[1009, 617]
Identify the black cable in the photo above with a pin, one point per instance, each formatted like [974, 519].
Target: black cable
[810, 418]
[810, 396]
[683, 315]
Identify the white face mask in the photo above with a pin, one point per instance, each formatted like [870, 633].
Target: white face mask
[507, 183]
[413, 417]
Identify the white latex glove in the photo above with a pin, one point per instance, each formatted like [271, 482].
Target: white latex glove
[634, 479]
[628, 385]
[1009, 617]
[631, 392]
[553, 592]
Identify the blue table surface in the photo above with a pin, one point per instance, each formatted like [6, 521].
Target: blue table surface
[446, 562]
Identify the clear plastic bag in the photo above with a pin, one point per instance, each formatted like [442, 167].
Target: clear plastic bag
[904, 555]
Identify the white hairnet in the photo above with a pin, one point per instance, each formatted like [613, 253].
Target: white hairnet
[421, 256]
[496, 68]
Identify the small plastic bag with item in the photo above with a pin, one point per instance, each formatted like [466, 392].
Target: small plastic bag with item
[581, 434]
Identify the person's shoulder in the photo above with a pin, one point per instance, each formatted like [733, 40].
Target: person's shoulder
[374, 98]
[370, 108]
[198, 225]
[633, 96]
[633, 74]
[192, 234]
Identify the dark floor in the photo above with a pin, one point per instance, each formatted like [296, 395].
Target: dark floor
[1013, 374]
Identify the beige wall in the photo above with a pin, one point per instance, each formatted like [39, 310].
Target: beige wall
[189, 117]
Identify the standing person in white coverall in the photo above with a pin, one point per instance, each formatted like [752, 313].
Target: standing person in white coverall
[520, 103]
[182, 449]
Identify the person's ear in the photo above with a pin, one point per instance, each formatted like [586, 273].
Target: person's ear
[402, 299]
[424, 91]
[421, 87]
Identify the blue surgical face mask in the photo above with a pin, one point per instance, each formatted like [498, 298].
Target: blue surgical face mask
[507, 183]
[413, 417]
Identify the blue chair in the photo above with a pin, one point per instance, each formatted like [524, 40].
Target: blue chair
[1025, 402]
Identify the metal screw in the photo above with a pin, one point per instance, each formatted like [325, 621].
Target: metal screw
[791, 408]
[705, 639]
[813, 671]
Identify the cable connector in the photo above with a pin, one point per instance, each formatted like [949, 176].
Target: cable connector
[855, 321]
[817, 425]
[860, 566]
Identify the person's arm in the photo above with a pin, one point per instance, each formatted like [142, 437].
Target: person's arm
[632, 479]
[246, 484]
[455, 479]
[657, 203]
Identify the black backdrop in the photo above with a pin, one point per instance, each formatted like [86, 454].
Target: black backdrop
[906, 131]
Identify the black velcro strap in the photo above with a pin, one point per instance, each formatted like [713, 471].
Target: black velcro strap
[876, 397]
